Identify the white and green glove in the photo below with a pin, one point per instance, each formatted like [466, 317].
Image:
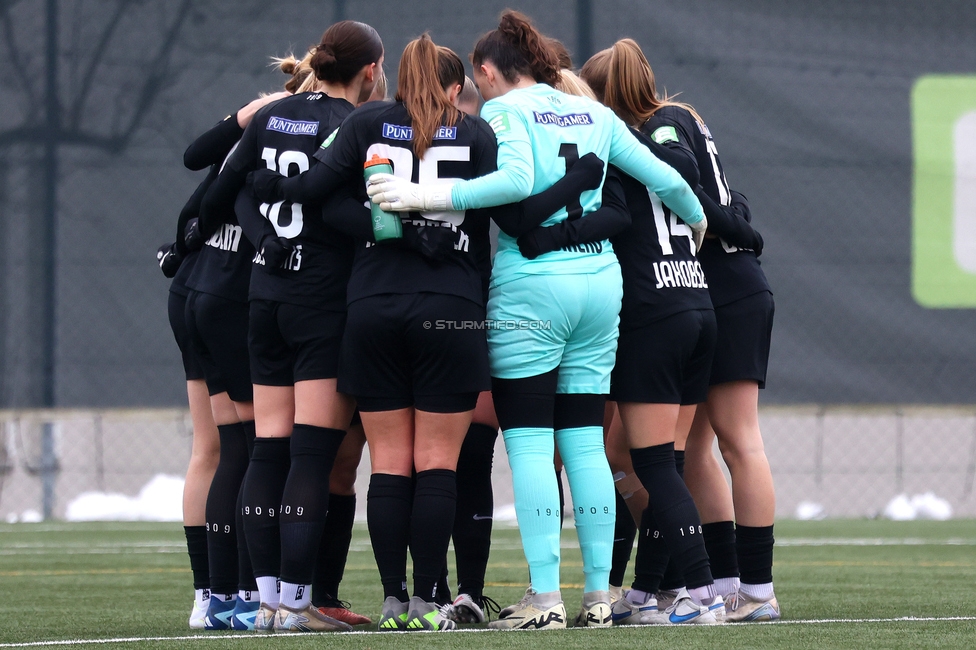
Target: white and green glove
[393, 194]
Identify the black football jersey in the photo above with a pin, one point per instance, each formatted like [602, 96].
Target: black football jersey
[223, 266]
[732, 273]
[283, 137]
[460, 152]
[661, 275]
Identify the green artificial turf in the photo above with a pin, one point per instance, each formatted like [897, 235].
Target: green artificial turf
[65, 582]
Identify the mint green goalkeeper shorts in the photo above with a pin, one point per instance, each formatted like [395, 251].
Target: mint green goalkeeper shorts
[541, 322]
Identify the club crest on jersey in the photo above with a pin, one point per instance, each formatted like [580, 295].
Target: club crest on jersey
[328, 140]
[665, 134]
[573, 119]
[292, 127]
[500, 124]
[405, 133]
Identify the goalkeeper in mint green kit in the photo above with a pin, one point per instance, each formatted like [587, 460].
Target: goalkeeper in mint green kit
[553, 319]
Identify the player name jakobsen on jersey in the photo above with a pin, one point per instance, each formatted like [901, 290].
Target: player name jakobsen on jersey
[292, 127]
[679, 274]
[573, 119]
[405, 133]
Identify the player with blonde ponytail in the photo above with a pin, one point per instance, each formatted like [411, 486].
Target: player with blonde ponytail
[743, 307]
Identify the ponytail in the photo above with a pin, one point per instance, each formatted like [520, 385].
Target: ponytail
[299, 71]
[420, 89]
[571, 84]
[622, 79]
[517, 48]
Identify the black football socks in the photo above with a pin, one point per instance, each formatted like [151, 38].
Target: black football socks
[389, 507]
[475, 505]
[221, 509]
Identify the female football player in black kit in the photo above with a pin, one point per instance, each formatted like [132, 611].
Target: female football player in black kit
[667, 336]
[743, 310]
[414, 367]
[176, 262]
[297, 315]
[210, 290]
[475, 500]
[416, 385]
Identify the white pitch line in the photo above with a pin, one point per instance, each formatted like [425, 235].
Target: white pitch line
[86, 545]
[84, 527]
[282, 637]
[873, 541]
[122, 550]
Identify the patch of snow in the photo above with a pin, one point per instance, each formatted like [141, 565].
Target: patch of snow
[810, 511]
[161, 499]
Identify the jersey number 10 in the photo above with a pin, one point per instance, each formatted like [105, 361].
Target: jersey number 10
[286, 217]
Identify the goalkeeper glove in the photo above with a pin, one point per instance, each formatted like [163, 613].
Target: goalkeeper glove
[394, 194]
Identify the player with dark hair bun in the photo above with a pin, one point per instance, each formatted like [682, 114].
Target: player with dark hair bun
[297, 316]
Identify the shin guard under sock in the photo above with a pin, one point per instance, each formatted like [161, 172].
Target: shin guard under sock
[333, 549]
[594, 502]
[263, 486]
[624, 532]
[475, 505]
[562, 497]
[674, 511]
[720, 545]
[305, 500]
[246, 582]
[530, 454]
[652, 555]
[389, 506]
[222, 509]
[196, 547]
[247, 586]
[673, 578]
[754, 546]
[431, 523]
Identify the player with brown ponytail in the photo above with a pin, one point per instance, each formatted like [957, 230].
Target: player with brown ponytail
[414, 369]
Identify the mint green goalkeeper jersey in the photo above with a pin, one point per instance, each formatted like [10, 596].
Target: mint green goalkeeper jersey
[540, 132]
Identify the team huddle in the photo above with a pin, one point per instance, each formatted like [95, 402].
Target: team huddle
[334, 285]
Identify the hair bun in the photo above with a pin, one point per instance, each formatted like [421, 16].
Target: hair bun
[512, 28]
[288, 65]
[325, 55]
